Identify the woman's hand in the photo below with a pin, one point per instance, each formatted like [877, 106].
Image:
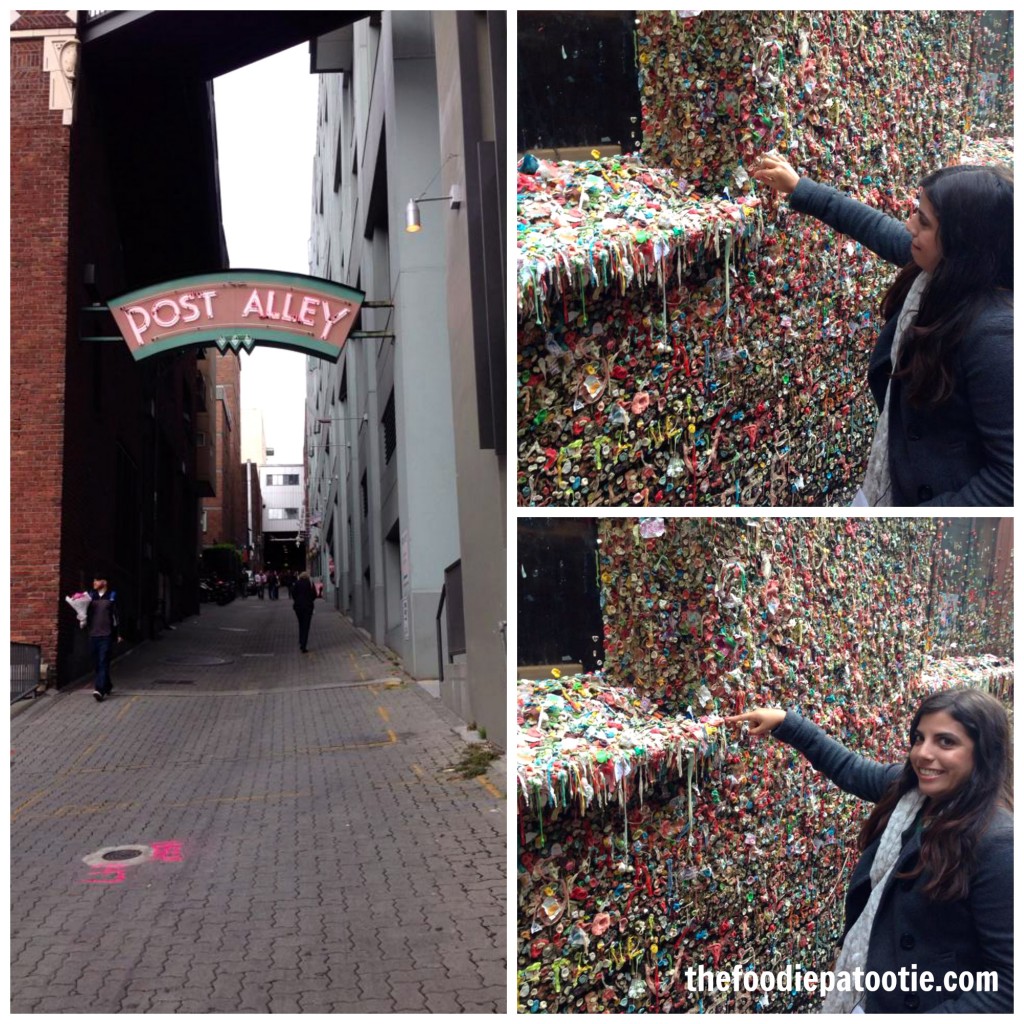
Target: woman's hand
[761, 720]
[773, 171]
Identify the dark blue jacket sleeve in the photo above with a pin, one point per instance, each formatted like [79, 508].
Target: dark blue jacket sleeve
[883, 235]
[858, 775]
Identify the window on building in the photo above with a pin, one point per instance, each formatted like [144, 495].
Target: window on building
[388, 419]
[282, 479]
[282, 513]
[582, 90]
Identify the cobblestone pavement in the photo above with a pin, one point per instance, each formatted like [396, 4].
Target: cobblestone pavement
[267, 831]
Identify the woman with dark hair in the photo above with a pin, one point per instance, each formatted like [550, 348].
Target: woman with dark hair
[933, 889]
[942, 368]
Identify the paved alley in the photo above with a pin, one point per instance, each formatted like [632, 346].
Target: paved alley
[241, 828]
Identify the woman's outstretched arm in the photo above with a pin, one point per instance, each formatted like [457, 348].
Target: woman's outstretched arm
[885, 236]
[851, 772]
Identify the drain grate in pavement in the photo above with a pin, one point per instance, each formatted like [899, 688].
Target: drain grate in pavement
[125, 855]
[174, 682]
[129, 854]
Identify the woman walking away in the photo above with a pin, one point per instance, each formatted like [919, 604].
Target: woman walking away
[933, 889]
[303, 597]
[942, 368]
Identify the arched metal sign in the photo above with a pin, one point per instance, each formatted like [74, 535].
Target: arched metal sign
[239, 309]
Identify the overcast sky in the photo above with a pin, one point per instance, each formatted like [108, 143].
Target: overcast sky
[266, 138]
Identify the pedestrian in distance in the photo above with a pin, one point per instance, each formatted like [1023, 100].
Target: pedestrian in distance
[933, 889]
[303, 598]
[273, 584]
[102, 622]
[261, 582]
[941, 372]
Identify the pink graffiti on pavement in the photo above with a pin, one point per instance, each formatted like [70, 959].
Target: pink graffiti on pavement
[115, 875]
[168, 851]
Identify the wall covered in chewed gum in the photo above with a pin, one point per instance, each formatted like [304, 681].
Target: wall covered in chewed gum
[738, 853]
[741, 381]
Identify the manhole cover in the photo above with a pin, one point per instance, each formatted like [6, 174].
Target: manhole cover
[196, 659]
[121, 854]
[134, 854]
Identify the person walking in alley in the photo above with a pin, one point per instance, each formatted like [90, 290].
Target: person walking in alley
[261, 582]
[273, 583]
[102, 622]
[303, 597]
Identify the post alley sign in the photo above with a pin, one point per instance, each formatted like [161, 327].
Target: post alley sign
[239, 309]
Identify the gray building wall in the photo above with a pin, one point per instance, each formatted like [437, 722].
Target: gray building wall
[277, 496]
[393, 523]
[382, 122]
[470, 58]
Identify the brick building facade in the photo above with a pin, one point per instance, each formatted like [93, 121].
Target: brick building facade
[40, 148]
[103, 468]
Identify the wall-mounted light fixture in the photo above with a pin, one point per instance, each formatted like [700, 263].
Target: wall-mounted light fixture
[412, 208]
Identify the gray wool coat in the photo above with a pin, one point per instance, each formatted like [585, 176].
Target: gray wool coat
[974, 934]
[960, 452]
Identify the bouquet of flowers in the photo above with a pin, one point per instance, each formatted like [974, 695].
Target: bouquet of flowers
[80, 602]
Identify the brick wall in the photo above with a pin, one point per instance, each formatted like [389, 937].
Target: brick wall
[229, 375]
[39, 221]
[225, 511]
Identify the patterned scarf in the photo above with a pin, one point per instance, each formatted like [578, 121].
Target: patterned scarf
[855, 947]
[877, 486]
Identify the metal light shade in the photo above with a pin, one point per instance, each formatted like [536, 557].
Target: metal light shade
[412, 216]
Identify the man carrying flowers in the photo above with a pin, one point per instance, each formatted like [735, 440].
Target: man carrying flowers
[102, 622]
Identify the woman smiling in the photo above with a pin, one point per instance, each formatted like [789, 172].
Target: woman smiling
[933, 889]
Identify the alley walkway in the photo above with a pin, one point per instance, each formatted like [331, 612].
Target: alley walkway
[244, 828]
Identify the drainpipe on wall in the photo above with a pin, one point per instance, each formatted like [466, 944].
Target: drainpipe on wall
[248, 509]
